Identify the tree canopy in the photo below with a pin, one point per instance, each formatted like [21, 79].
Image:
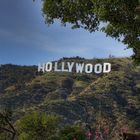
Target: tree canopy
[38, 126]
[119, 19]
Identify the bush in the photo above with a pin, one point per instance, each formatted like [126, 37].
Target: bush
[38, 126]
[67, 83]
[72, 132]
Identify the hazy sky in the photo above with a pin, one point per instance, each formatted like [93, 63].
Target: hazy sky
[26, 39]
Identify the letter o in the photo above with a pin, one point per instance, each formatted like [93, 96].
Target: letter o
[88, 68]
[48, 66]
[98, 68]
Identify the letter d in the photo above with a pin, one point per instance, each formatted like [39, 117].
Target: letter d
[106, 67]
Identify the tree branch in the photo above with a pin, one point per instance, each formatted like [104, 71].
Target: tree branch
[5, 129]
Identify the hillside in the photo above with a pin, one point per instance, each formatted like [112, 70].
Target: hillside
[77, 98]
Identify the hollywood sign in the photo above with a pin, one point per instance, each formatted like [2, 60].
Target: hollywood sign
[74, 67]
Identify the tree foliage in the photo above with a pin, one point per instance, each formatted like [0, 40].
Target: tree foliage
[38, 126]
[67, 83]
[119, 19]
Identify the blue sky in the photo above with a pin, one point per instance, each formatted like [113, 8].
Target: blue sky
[25, 39]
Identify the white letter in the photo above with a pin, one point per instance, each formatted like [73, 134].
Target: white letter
[56, 67]
[107, 67]
[63, 67]
[41, 67]
[48, 66]
[88, 68]
[98, 68]
[70, 66]
[79, 67]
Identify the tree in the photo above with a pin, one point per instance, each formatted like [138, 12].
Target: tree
[38, 126]
[67, 83]
[119, 19]
[6, 127]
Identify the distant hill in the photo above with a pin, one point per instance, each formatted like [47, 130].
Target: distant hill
[14, 75]
[76, 97]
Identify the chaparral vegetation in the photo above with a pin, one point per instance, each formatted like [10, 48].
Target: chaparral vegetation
[70, 106]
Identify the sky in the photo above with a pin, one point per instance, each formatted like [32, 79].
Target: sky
[25, 39]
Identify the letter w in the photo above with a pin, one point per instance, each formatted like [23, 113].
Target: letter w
[79, 68]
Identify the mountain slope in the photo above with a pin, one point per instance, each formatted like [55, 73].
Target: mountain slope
[78, 98]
